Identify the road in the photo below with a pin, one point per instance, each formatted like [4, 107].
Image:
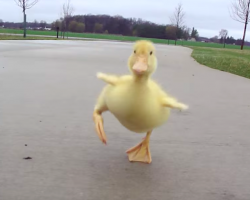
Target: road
[47, 93]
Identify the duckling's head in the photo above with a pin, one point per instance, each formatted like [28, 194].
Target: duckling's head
[142, 61]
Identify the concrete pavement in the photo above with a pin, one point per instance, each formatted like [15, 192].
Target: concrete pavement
[47, 94]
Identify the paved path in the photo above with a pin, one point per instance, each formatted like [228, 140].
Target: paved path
[47, 93]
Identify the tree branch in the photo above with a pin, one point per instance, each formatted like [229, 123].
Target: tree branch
[178, 18]
[240, 11]
[67, 9]
[30, 5]
[26, 4]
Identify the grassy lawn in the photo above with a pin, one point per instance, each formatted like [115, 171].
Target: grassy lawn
[120, 38]
[229, 60]
[17, 37]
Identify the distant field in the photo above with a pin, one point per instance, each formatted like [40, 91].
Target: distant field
[119, 38]
[17, 37]
[228, 60]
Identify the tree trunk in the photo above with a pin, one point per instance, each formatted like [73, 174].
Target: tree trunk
[67, 31]
[244, 35]
[24, 24]
[176, 32]
[245, 28]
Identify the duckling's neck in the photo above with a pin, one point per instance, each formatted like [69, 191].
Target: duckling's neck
[141, 79]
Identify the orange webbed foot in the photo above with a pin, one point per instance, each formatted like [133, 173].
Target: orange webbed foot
[99, 127]
[140, 152]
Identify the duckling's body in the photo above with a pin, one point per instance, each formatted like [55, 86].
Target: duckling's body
[136, 104]
[135, 100]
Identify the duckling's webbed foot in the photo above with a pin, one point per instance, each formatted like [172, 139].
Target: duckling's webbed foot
[141, 152]
[97, 117]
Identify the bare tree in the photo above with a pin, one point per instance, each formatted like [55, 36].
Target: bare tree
[25, 5]
[223, 34]
[67, 12]
[178, 18]
[240, 12]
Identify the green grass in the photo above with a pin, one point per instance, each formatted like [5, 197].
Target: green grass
[17, 37]
[228, 60]
[120, 38]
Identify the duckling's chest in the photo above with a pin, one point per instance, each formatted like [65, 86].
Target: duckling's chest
[136, 107]
[129, 99]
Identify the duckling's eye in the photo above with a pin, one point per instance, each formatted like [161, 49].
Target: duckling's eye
[135, 51]
[151, 52]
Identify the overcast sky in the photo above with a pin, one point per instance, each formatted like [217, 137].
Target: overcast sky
[207, 16]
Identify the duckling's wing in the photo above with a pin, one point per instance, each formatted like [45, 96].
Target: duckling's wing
[110, 79]
[167, 100]
[173, 103]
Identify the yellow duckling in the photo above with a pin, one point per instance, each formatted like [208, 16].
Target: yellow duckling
[135, 100]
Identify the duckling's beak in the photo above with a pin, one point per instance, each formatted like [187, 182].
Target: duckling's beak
[140, 66]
